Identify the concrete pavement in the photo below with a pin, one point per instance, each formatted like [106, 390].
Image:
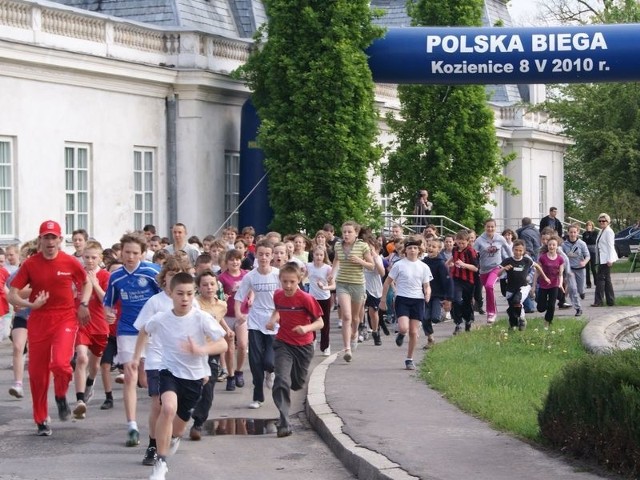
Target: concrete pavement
[380, 420]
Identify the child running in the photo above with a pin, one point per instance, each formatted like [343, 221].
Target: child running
[183, 335]
[298, 315]
[553, 267]
[517, 286]
[320, 288]
[412, 280]
[263, 282]
[464, 266]
[92, 337]
[441, 288]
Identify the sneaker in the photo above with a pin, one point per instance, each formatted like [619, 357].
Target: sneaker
[383, 326]
[88, 394]
[326, 352]
[578, 312]
[458, 329]
[107, 404]
[481, 311]
[348, 356]
[522, 323]
[80, 412]
[160, 470]
[16, 391]
[582, 296]
[268, 380]
[255, 405]
[231, 384]
[447, 316]
[467, 326]
[133, 438]
[339, 323]
[150, 457]
[64, 412]
[222, 376]
[120, 378]
[174, 445]
[239, 376]
[354, 346]
[491, 319]
[44, 430]
[284, 431]
[377, 341]
[399, 339]
[409, 365]
[564, 306]
[195, 433]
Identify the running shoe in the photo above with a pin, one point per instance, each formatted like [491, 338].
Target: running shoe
[160, 470]
[195, 433]
[409, 365]
[255, 405]
[348, 356]
[44, 430]
[64, 412]
[269, 379]
[174, 445]
[284, 431]
[326, 352]
[150, 456]
[88, 394]
[107, 404]
[399, 339]
[133, 438]
[231, 384]
[16, 390]
[239, 378]
[80, 411]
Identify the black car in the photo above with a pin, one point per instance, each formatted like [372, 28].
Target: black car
[630, 236]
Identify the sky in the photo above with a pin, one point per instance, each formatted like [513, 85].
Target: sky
[523, 12]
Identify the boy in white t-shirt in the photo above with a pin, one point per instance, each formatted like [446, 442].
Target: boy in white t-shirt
[413, 289]
[187, 336]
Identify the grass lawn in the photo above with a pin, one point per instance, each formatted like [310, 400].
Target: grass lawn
[502, 376]
[629, 301]
[623, 266]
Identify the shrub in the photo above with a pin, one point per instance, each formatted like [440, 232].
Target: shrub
[592, 410]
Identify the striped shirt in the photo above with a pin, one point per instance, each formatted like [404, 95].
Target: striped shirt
[468, 255]
[351, 272]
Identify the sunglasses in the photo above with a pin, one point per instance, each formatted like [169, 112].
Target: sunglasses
[602, 221]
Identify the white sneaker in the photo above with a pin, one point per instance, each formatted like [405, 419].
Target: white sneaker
[255, 405]
[268, 379]
[354, 346]
[339, 323]
[326, 352]
[120, 379]
[80, 412]
[16, 391]
[160, 470]
[491, 319]
[174, 445]
[447, 316]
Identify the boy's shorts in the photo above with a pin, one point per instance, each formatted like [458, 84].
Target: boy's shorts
[95, 342]
[410, 307]
[153, 382]
[126, 348]
[110, 351]
[372, 302]
[18, 322]
[187, 391]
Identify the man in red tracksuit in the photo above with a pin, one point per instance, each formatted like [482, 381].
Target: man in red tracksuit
[53, 277]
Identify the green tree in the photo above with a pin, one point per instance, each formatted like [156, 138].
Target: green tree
[602, 167]
[314, 94]
[446, 139]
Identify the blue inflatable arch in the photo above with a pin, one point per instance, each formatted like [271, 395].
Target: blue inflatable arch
[464, 55]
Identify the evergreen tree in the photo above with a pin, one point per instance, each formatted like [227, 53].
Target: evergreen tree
[446, 139]
[314, 94]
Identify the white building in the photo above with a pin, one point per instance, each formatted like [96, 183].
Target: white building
[109, 123]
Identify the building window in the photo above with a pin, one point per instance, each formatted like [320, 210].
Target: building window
[6, 188]
[76, 182]
[143, 187]
[231, 188]
[542, 196]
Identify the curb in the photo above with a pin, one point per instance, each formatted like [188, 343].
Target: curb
[604, 334]
[360, 461]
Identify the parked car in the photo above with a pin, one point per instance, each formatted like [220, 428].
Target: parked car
[623, 243]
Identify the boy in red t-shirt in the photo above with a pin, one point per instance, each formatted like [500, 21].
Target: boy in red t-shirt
[299, 315]
[92, 337]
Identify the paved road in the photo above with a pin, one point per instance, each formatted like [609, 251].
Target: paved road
[94, 448]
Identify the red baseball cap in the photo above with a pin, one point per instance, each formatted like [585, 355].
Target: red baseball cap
[50, 227]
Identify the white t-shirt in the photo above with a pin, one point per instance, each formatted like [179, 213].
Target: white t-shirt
[315, 275]
[409, 278]
[172, 332]
[372, 279]
[263, 287]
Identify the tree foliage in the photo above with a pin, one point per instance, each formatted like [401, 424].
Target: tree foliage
[314, 94]
[446, 139]
[602, 167]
